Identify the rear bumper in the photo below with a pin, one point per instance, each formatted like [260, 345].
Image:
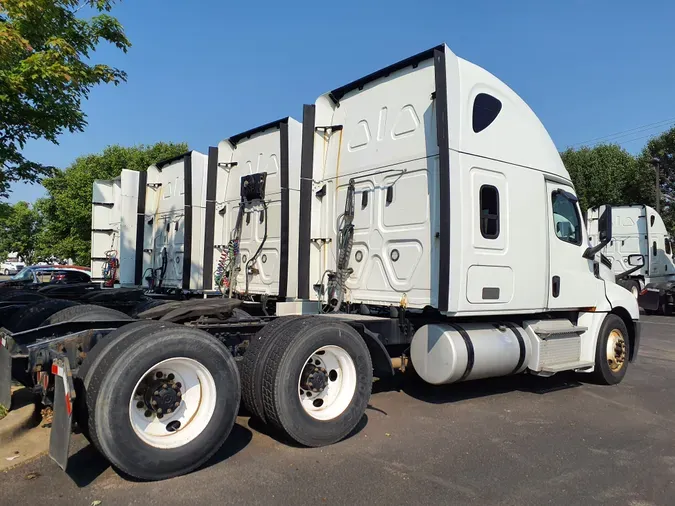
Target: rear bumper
[637, 325]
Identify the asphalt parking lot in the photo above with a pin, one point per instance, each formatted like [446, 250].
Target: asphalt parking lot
[510, 441]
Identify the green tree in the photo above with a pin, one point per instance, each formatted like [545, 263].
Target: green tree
[608, 174]
[66, 230]
[18, 230]
[662, 147]
[45, 72]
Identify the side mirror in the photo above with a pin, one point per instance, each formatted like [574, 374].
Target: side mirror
[604, 231]
[636, 260]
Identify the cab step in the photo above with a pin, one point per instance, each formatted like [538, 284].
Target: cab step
[557, 328]
[568, 366]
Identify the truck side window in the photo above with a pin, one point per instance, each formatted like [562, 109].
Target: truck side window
[489, 211]
[566, 218]
[654, 248]
[667, 246]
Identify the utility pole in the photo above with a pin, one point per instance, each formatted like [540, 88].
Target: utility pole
[656, 162]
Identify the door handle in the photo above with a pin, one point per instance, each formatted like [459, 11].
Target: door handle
[555, 286]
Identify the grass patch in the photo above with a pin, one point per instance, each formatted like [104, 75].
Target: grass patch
[3, 411]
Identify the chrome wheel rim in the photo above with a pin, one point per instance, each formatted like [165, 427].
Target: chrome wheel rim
[616, 350]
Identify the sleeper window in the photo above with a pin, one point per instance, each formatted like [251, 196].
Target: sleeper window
[667, 246]
[654, 248]
[489, 211]
[566, 218]
[486, 108]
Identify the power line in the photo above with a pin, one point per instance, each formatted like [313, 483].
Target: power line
[624, 133]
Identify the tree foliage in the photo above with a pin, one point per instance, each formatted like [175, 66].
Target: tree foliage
[663, 149]
[66, 231]
[45, 72]
[18, 229]
[608, 174]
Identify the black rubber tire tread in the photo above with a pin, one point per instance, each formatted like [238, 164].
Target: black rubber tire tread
[123, 366]
[289, 351]
[144, 305]
[85, 312]
[12, 294]
[252, 364]
[31, 316]
[602, 373]
[89, 377]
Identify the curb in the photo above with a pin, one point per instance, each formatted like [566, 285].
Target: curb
[22, 416]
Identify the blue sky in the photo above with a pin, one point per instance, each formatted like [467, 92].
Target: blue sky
[202, 70]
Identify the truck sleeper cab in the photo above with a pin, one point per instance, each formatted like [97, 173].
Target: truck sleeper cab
[437, 227]
[641, 254]
[114, 217]
[431, 185]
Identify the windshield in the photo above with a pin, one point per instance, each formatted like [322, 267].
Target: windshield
[23, 275]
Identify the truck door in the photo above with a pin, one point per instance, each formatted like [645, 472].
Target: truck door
[572, 283]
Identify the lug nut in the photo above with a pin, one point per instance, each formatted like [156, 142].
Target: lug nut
[165, 385]
[169, 410]
[159, 411]
[176, 404]
[154, 403]
[156, 392]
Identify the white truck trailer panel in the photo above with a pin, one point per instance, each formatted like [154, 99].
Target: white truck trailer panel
[114, 225]
[636, 230]
[267, 226]
[454, 181]
[174, 211]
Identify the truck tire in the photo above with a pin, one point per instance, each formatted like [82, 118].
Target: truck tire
[166, 365]
[612, 351]
[253, 363]
[85, 312]
[317, 381]
[633, 287]
[31, 316]
[89, 374]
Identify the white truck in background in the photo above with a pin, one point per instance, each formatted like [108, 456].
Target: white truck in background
[113, 228]
[433, 224]
[641, 254]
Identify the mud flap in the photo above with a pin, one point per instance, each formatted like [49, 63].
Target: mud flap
[5, 369]
[64, 394]
[650, 299]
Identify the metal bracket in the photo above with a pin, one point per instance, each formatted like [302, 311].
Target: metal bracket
[332, 128]
[64, 393]
[227, 165]
[153, 185]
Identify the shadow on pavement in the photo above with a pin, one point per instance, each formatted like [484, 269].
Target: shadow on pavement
[87, 464]
[441, 394]
[259, 426]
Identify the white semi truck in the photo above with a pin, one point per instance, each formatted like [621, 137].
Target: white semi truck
[640, 253]
[433, 225]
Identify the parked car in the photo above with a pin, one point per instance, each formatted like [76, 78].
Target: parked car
[46, 274]
[11, 268]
